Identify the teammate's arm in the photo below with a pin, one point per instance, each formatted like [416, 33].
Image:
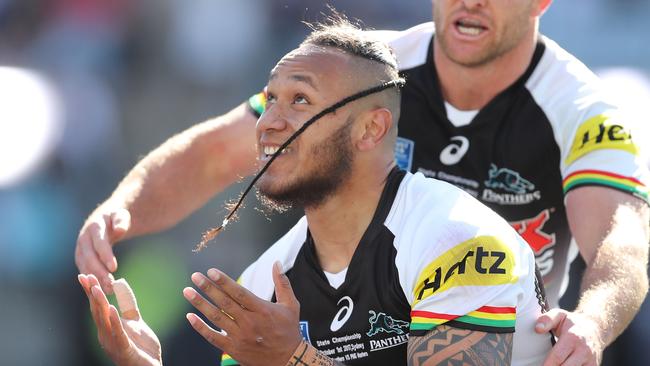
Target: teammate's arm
[611, 230]
[167, 185]
[445, 345]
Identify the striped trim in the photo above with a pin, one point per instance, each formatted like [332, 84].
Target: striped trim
[226, 360]
[486, 317]
[258, 103]
[601, 178]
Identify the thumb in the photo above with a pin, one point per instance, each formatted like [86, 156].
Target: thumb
[121, 223]
[126, 300]
[283, 290]
[550, 320]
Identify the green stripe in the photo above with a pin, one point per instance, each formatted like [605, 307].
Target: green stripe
[422, 326]
[256, 102]
[628, 188]
[229, 362]
[487, 322]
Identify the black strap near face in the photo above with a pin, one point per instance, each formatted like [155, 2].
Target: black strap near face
[210, 234]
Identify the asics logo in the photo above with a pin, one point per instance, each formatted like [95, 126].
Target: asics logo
[343, 314]
[455, 151]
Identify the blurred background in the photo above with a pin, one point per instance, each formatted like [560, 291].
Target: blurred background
[88, 87]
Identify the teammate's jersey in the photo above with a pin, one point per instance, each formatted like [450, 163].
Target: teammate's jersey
[552, 131]
[431, 255]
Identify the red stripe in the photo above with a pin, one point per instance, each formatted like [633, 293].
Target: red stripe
[498, 309]
[427, 314]
[600, 172]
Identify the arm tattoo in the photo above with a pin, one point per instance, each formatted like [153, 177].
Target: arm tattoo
[307, 355]
[445, 345]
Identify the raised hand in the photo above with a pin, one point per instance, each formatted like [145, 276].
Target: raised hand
[94, 251]
[127, 340]
[254, 331]
[578, 342]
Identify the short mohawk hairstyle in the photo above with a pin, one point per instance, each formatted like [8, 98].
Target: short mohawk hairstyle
[339, 32]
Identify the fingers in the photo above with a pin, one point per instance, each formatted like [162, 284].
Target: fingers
[100, 235]
[213, 313]
[577, 358]
[102, 305]
[88, 261]
[121, 339]
[214, 337]
[550, 320]
[83, 280]
[559, 353]
[235, 291]
[283, 291]
[121, 223]
[126, 300]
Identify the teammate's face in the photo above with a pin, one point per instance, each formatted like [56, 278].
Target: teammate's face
[475, 32]
[303, 83]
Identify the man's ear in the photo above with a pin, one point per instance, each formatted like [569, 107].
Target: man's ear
[376, 125]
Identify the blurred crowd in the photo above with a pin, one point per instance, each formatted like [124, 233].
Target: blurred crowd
[87, 87]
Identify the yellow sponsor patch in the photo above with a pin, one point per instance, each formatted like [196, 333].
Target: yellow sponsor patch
[480, 261]
[600, 132]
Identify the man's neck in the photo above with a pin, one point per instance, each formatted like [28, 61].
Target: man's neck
[338, 224]
[472, 88]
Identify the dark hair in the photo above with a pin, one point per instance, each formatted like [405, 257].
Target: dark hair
[339, 32]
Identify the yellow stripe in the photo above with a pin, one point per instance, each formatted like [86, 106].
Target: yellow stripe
[484, 315]
[603, 177]
[421, 320]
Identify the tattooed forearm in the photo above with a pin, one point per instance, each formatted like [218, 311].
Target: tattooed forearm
[307, 355]
[450, 346]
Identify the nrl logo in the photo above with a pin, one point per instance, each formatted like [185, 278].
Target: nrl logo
[385, 323]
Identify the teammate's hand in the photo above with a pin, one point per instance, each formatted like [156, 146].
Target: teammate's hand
[578, 340]
[255, 331]
[94, 251]
[127, 340]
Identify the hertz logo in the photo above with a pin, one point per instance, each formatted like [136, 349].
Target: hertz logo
[481, 261]
[600, 132]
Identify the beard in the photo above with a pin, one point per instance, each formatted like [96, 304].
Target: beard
[332, 167]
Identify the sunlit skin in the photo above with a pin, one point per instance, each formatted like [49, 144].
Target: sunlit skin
[483, 46]
[300, 85]
[303, 83]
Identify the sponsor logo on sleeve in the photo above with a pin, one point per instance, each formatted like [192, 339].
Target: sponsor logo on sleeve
[600, 132]
[480, 261]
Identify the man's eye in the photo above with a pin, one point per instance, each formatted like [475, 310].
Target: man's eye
[300, 100]
[270, 98]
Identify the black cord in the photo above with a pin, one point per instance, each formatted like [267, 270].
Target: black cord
[210, 234]
[541, 298]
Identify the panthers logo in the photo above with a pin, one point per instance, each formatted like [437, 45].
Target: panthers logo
[508, 180]
[385, 323]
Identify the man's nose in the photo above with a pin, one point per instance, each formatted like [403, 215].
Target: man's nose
[272, 119]
[474, 4]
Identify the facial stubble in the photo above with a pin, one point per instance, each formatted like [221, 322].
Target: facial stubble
[331, 169]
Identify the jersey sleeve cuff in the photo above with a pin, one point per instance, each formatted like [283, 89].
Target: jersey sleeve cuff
[490, 319]
[621, 183]
[257, 104]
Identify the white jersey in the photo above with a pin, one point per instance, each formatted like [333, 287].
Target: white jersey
[432, 255]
